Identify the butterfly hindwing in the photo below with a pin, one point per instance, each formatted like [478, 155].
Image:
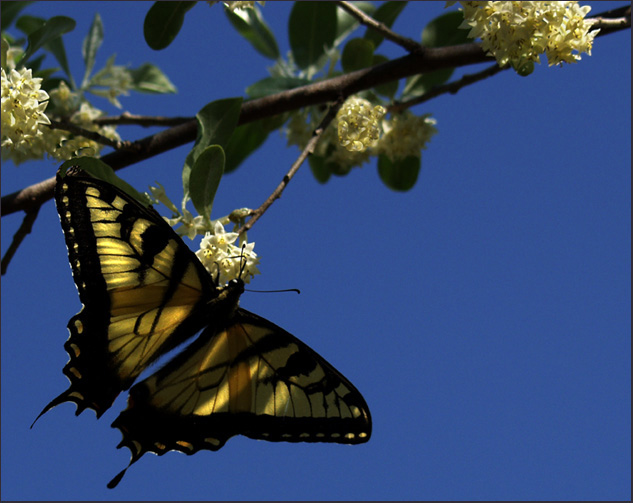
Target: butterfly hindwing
[249, 378]
[143, 291]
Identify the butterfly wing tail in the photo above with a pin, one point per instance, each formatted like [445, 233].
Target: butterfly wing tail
[69, 396]
[115, 481]
[53, 403]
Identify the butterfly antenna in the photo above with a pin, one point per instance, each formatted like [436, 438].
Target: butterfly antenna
[274, 291]
[217, 277]
[242, 261]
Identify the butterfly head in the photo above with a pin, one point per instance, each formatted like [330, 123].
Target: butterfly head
[237, 285]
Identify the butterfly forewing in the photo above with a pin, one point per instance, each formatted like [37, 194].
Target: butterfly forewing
[142, 290]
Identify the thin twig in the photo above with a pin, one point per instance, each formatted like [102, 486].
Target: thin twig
[309, 148]
[91, 135]
[451, 88]
[383, 29]
[22, 232]
[612, 20]
[624, 11]
[608, 25]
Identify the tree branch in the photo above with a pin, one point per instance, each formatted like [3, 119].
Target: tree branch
[312, 94]
[320, 92]
[91, 135]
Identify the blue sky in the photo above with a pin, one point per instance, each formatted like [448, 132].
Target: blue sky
[484, 315]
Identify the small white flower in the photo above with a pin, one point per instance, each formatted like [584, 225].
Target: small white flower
[190, 226]
[159, 195]
[223, 259]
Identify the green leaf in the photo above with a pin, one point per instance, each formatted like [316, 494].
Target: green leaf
[9, 11]
[338, 169]
[444, 31]
[357, 54]
[387, 13]
[29, 24]
[45, 74]
[243, 142]
[101, 170]
[311, 29]
[91, 45]
[148, 78]
[57, 49]
[388, 89]
[205, 177]
[399, 175]
[54, 28]
[35, 64]
[250, 24]
[273, 85]
[319, 168]
[420, 84]
[274, 122]
[163, 22]
[216, 123]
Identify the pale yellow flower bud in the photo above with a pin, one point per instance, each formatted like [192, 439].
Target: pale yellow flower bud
[358, 124]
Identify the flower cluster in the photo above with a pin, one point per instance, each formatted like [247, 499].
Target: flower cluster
[218, 253]
[23, 105]
[24, 135]
[358, 124]
[223, 259]
[62, 145]
[115, 81]
[357, 134]
[300, 129]
[405, 135]
[519, 32]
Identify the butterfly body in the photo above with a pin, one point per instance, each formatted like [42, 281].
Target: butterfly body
[145, 292]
